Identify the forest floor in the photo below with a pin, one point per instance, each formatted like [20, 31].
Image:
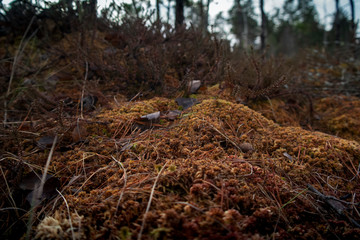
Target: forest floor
[184, 166]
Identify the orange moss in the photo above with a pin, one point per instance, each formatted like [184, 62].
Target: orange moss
[340, 116]
[210, 187]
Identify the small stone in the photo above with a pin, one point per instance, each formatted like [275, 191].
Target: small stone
[246, 147]
[172, 115]
[186, 102]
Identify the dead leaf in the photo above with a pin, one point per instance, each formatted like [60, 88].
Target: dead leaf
[186, 102]
[79, 132]
[45, 142]
[193, 86]
[171, 115]
[152, 116]
[32, 180]
[48, 192]
[288, 156]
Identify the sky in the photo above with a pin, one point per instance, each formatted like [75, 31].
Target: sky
[325, 8]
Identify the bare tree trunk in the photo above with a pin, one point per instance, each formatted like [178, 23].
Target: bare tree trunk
[337, 23]
[244, 32]
[71, 15]
[246, 29]
[202, 15]
[158, 10]
[168, 11]
[93, 12]
[353, 30]
[70, 7]
[325, 42]
[206, 23]
[179, 13]
[353, 27]
[263, 26]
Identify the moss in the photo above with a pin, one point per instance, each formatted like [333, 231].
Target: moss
[209, 183]
[339, 116]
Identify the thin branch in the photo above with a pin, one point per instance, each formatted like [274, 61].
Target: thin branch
[225, 136]
[43, 178]
[83, 91]
[68, 210]
[38, 192]
[125, 182]
[149, 203]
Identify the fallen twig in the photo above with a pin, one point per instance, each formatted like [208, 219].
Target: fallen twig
[149, 203]
[335, 204]
[125, 181]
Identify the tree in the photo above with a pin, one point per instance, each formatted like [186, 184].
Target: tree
[158, 10]
[168, 11]
[263, 26]
[243, 22]
[299, 26]
[179, 13]
[199, 13]
[70, 10]
[353, 25]
[204, 14]
[341, 31]
[308, 29]
[337, 23]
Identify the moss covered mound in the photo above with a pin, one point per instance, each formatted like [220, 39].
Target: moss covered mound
[221, 170]
[340, 116]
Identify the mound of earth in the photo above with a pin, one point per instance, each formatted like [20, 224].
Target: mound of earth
[337, 115]
[219, 170]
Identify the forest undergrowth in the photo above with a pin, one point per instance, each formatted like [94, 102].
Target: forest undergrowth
[105, 136]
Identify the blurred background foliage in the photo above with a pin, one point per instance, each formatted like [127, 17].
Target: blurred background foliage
[157, 47]
[294, 26]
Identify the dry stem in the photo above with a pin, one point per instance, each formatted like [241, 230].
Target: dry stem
[149, 203]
